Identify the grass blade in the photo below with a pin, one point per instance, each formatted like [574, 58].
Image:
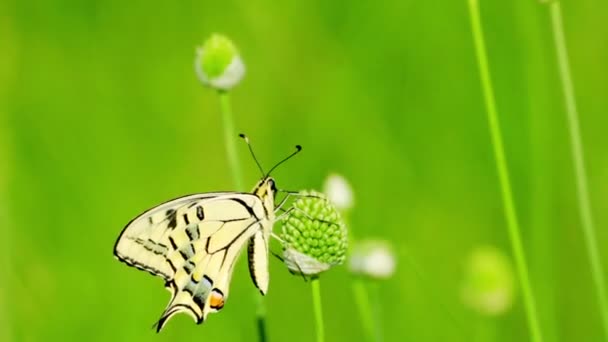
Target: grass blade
[579, 161]
[503, 174]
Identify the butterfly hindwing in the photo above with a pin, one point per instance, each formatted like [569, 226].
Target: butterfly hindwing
[258, 260]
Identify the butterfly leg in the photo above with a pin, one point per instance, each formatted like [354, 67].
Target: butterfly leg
[288, 194]
[301, 272]
[276, 255]
[284, 214]
[288, 211]
[282, 202]
[280, 217]
[277, 237]
[298, 194]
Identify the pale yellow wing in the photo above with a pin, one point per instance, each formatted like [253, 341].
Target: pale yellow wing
[258, 259]
[192, 242]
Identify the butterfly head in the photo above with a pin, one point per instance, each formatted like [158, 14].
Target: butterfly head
[266, 189]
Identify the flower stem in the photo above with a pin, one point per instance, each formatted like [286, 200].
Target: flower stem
[503, 173]
[316, 302]
[365, 309]
[230, 138]
[579, 161]
[361, 293]
[261, 317]
[237, 179]
[486, 329]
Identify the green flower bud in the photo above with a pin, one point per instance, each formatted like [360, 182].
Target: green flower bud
[488, 285]
[314, 235]
[218, 64]
[372, 258]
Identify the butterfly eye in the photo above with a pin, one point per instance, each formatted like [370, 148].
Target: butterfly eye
[273, 187]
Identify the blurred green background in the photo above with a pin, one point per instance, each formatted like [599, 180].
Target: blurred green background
[101, 117]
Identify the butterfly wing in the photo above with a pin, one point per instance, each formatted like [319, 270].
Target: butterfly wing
[258, 259]
[192, 242]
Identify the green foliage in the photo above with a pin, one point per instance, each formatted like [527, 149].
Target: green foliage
[101, 117]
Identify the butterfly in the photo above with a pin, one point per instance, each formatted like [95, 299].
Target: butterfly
[193, 242]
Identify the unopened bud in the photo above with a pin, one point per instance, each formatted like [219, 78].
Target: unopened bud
[488, 285]
[218, 64]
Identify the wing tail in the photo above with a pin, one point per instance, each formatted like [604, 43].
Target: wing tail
[184, 301]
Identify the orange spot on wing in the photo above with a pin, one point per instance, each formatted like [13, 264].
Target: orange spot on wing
[216, 300]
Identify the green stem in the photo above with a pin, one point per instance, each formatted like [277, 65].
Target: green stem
[486, 329]
[5, 318]
[579, 161]
[230, 138]
[261, 317]
[503, 174]
[364, 306]
[316, 302]
[360, 291]
[237, 178]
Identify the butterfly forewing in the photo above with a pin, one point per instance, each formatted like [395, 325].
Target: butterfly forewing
[193, 242]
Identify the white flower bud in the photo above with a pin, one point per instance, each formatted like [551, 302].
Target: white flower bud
[218, 64]
[339, 192]
[372, 258]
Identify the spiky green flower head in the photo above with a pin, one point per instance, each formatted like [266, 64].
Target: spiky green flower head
[314, 235]
[218, 64]
[488, 285]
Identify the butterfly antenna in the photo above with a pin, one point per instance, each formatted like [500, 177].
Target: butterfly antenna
[298, 149]
[252, 154]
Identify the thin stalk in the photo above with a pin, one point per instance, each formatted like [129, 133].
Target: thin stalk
[503, 173]
[261, 317]
[576, 144]
[377, 312]
[361, 294]
[316, 302]
[5, 264]
[237, 178]
[486, 329]
[365, 308]
[230, 138]
[541, 129]
[434, 293]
